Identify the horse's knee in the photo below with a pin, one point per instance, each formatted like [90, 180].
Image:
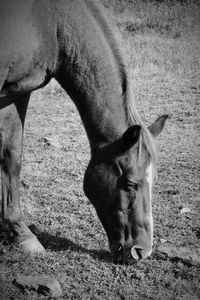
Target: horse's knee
[4, 154]
[2, 144]
[10, 163]
[10, 160]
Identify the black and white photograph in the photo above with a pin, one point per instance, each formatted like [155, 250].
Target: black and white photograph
[100, 149]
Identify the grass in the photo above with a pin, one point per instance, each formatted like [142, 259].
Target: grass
[162, 45]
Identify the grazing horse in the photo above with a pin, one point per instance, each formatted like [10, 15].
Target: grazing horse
[72, 42]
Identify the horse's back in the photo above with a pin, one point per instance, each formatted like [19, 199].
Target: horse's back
[36, 36]
[27, 43]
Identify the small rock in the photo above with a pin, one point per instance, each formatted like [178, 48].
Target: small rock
[185, 210]
[50, 142]
[45, 285]
[163, 240]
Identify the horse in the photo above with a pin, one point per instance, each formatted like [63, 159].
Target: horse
[73, 42]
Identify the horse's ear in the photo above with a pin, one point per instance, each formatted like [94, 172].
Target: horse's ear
[130, 136]
[158, 125]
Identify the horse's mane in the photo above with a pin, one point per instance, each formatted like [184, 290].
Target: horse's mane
[146, 142]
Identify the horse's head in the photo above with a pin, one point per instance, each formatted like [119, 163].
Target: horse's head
[118, 182]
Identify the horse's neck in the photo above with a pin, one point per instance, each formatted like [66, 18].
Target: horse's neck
[102, 110]
[91, 75]
[91, 72]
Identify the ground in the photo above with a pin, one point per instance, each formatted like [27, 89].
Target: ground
[161, 42]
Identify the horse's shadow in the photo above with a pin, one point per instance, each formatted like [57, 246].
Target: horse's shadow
[58, 243]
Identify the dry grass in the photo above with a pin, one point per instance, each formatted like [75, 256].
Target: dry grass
[162, 48]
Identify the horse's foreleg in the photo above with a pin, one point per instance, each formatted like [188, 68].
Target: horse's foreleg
[11, 151]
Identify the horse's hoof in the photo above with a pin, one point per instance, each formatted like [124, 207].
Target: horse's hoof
[32, 245]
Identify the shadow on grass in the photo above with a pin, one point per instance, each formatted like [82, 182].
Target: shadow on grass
[58, 243]
[6, 237]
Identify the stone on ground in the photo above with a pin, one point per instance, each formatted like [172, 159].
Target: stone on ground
[45, 285]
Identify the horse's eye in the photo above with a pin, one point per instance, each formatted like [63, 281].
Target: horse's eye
[132, 185]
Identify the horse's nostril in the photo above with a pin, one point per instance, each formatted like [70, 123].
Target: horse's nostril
[136, 252]
[139, 253]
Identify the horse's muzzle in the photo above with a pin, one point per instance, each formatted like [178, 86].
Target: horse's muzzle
[128, 255]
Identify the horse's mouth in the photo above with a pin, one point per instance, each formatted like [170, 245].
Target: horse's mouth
[118, 254]
[122, 254]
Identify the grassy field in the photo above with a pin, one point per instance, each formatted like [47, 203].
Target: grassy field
[162, 48]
